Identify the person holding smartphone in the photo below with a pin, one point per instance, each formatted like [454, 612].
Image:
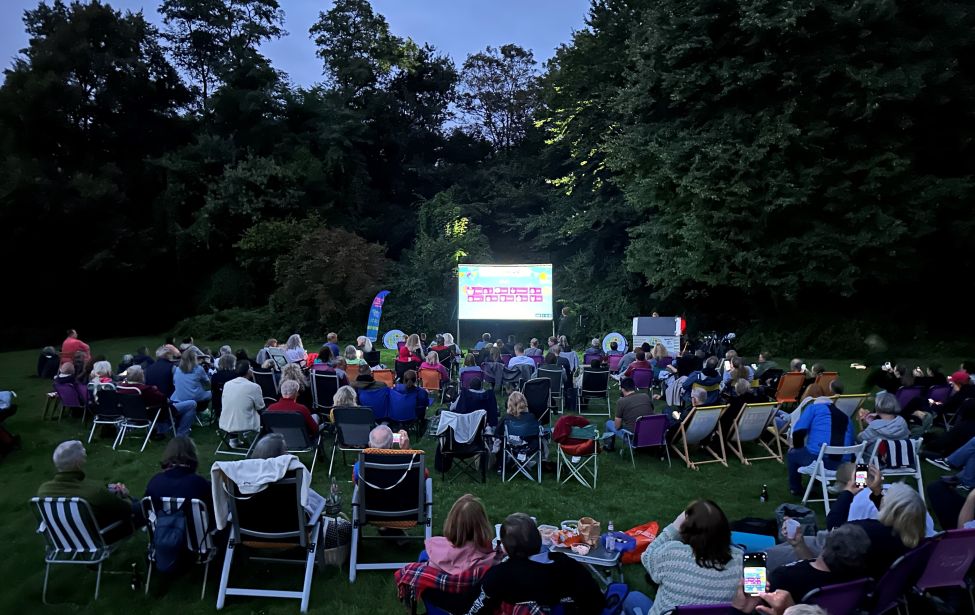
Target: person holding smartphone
[841, 560]
[693, 560]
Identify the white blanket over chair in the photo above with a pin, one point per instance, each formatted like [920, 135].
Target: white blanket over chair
[251, 476]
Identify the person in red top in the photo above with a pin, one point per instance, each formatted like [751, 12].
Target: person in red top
[641, 361]
[136, 378]
[289, 393]
[71, 345]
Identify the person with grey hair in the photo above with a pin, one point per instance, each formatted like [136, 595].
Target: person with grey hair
[101, 373]
[108, 505]
[270, 446]
[135, 378]
[841, 560]
[288, 403]
[885, 423]
[381, 437]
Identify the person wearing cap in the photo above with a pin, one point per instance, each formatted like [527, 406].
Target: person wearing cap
[632, 405]
[962, 389]
[109, 505]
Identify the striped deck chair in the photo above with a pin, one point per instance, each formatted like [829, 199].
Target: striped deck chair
[749, 427]
[392, 492]
[199, 536]
[699, 424]
[72, 535]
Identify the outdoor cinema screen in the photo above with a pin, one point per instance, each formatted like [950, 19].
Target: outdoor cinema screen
[504, 292]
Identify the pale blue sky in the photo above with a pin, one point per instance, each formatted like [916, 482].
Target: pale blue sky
[455, 27]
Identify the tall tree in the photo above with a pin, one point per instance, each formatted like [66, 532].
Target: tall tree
[87, 104]
[499, 94]
[206, 36]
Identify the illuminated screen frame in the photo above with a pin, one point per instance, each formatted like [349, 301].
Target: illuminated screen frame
[508, 294]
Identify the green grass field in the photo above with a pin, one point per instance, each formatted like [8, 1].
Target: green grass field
[627, 496]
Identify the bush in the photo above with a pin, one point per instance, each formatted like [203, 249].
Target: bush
[233, 323]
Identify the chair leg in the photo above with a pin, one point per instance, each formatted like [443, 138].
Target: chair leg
[148, 576]
[353, 553]
[92, 434]
[812, 479]
[822, 482]
[206, 573]
[98, 580]
[47, 571]
[225, 574]
[309, 569]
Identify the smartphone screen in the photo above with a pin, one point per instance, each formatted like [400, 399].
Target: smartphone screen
[754, 573]
[861, 475]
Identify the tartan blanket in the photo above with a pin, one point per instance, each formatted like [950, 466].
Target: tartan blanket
[415, 578]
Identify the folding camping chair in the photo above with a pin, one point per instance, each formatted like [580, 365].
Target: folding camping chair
[104, 400]
[273, 520]
[376, 400]
[642, 378]
[892, 589]
[292, 426]
[522, 448]
[69, 398]
[839, 598]
[323, 388]
[850, 404]
[536, 392]
[466, 377]
[51, 405]
[595, 385]
[136, 416]
[385, 376]
[749, 426]
[556, 376]
[72, 536]
[949, 563]
[372, 358]
[392, 492]
[700, 423]
[403, 411]
[514, 377]
[613, 362]
[817, 470]
[269, 388]
[430, 379]
[790, 385]
[824, 380]
[650, 430]
[199, 536]
[899, 458]
[464, 452]
[352, 427]
[579, 454]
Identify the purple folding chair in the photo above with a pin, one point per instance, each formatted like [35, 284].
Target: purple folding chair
[642, 377]
[949, 563]
[650, 430]
[613, 361]
[587, 359]
[466, 377]
[70, 398]
[841, 598]
[663, 362]
[505, 358]
[537, 359]
[892, 588]
[703, 609]
[906, 395]
[939, 393]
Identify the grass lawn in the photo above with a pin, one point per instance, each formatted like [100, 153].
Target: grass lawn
[625, 495]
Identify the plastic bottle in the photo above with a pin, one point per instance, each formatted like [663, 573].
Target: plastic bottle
[610, 539]
[763, 497]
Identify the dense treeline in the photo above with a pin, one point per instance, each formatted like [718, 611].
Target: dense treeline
[807, 165]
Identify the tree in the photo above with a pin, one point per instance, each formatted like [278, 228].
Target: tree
[802, 131]
[327, 280]
[207, 36]
[499, 94]
[88, 103]
[425, 286]
[356, 47]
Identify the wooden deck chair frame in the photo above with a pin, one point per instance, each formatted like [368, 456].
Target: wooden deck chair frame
[902, 472]
[199, 535]
[824, 379]
[817, 472]
[419, 511]
[72, 535]
[306, 537]
[789, 388]
[749, 426]
[689, 433]
[577, 466]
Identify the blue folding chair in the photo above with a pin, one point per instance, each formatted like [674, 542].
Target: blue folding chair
[377, 400]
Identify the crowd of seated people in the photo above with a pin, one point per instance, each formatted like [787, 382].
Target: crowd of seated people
[866, 530]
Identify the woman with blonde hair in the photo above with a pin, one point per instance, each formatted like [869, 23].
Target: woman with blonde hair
[294, 350]
[463, 553]
[433, 362]
[519, 422]
[413, 345]
[293, 371]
